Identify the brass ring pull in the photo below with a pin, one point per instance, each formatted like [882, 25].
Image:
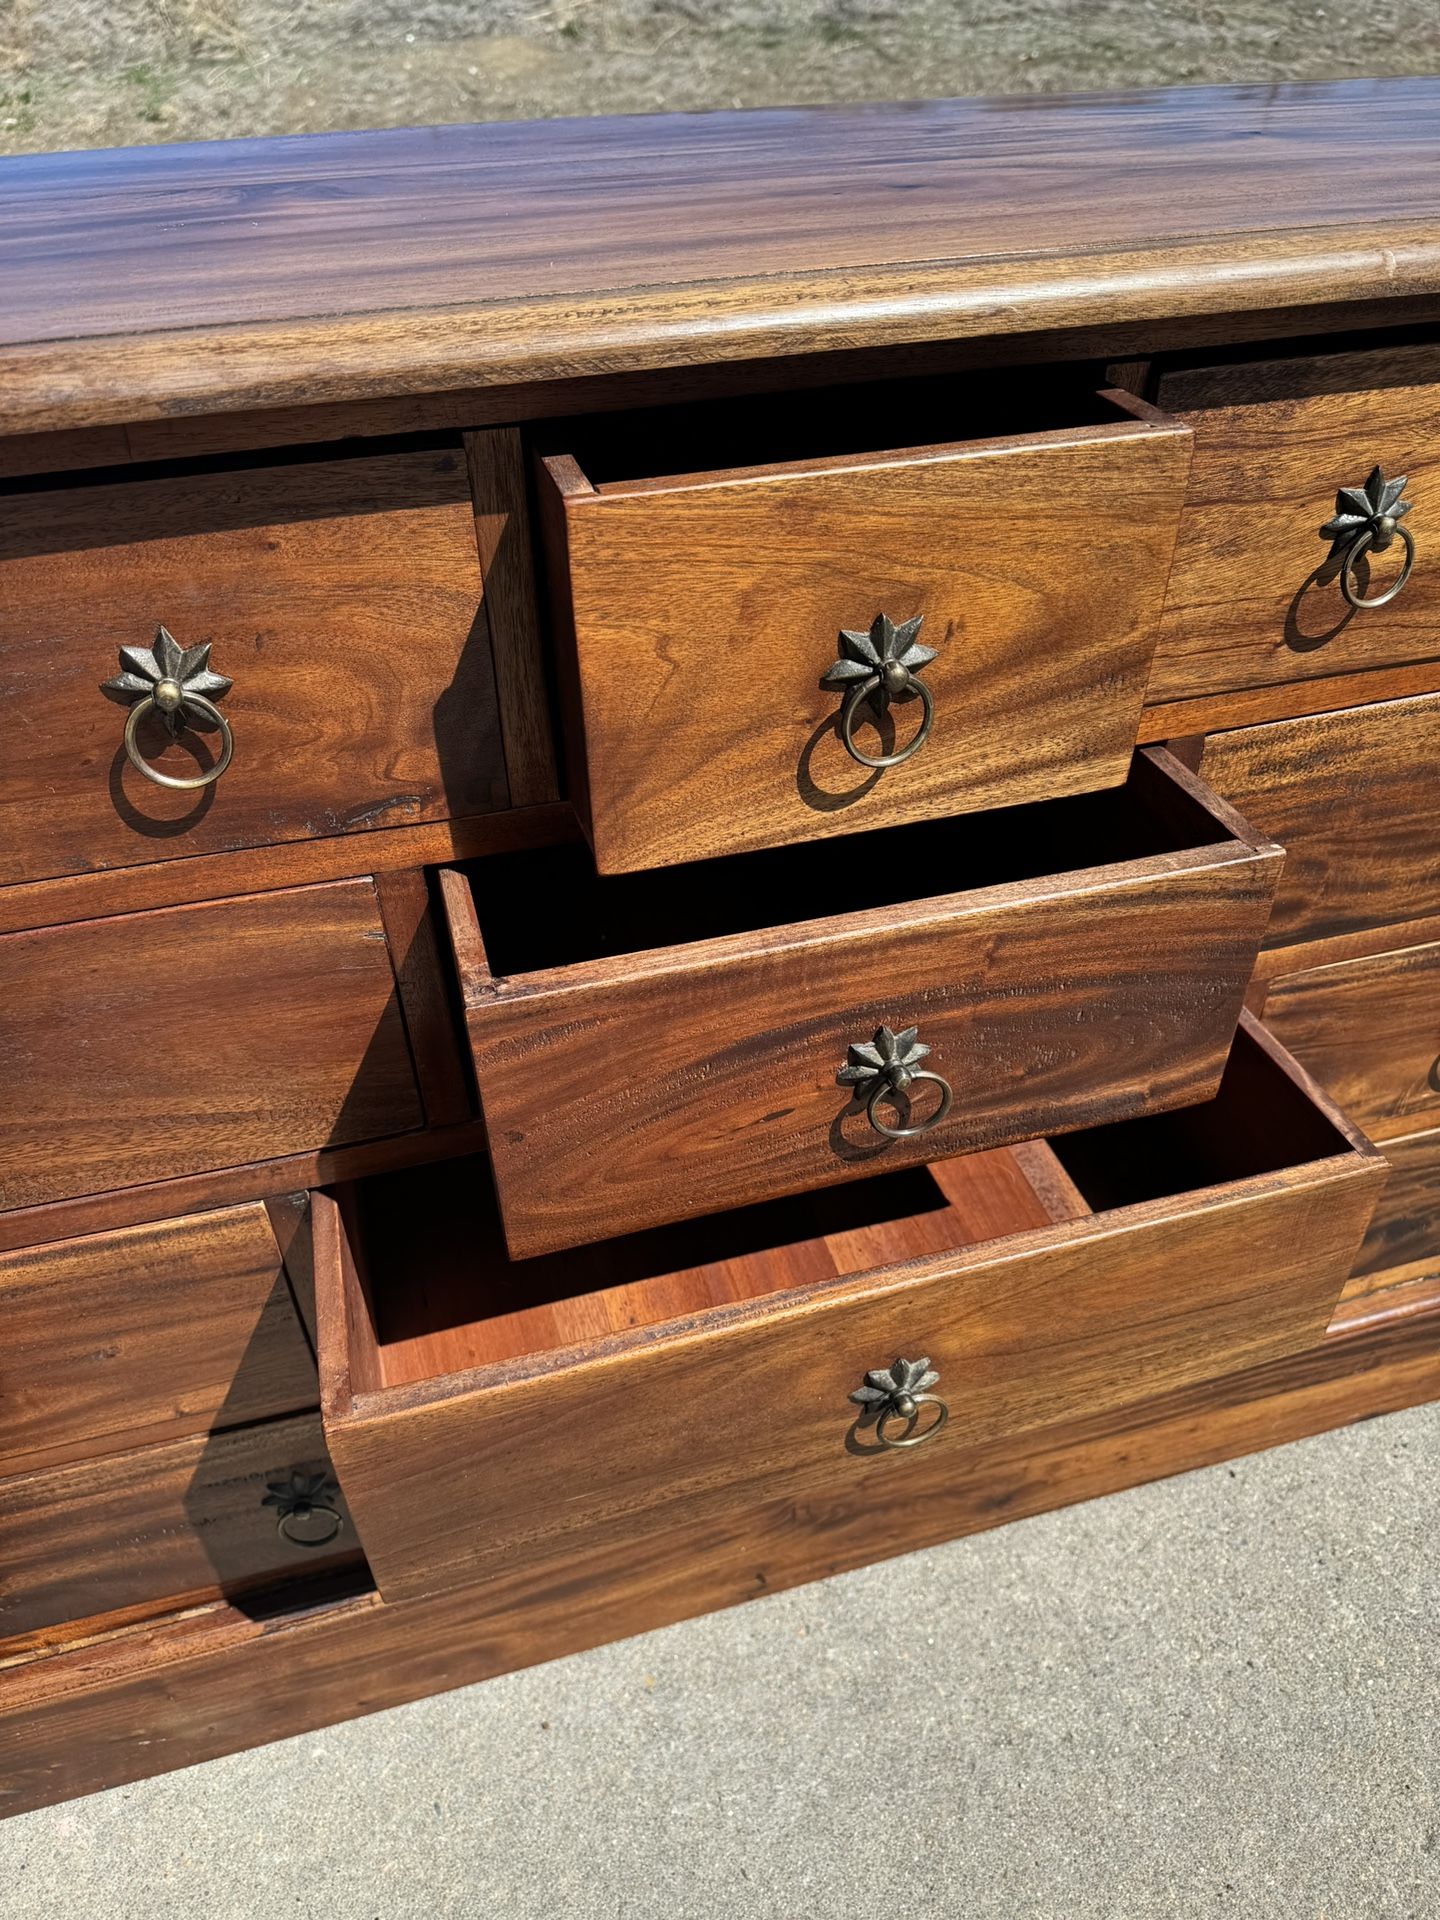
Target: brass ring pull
[876, 668]
[883, 1087]
[1367, 543]
[1367, 520]
[177, 683]
[857, 697]
[894, 1396]
[152, 702]
[909, 1412]
[300, 1497]
[285, 1525]
[886, 1067]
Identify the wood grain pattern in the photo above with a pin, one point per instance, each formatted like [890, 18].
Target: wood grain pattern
[1253, 706]
[283, 273]
[420, 976]
[1253, 599]
[171, 1328]
[697, 614]
[1403, 1239]
[496, 463]
[137, 1703]
[649, 1085]
[219, 876]
[1350, 796]
[465, 408]
[165, 1199]
[1363, 944]
[1044, 1323]
[158, 1527]
[198, 1038]
[301, 577]
[1369, 1031]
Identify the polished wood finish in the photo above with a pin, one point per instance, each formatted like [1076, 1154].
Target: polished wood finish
[496, 464]
[1369, 1031]
[405, 911]
[1252, 706]
[708, 316]
[301, 577]
[469, 409]
[1351, 798]
[148, 1333]
[285, 273]
[219, 876]
[1253, 597]
[1219, 1238]
[198, 1038]
[1279, 962]
[1403, 1239]
[266, 1180]
[160, 1527]
[126, 1705]
[696, 613]
[625, 1084]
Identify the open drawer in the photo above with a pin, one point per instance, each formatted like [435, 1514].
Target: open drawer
[722, 576]
[653, 1047]
[479, 1412]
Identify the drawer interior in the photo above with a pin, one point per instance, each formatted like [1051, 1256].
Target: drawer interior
[446, 1299]
[767, 430]
[549, 908]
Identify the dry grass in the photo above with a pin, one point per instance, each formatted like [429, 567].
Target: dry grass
[86, 73]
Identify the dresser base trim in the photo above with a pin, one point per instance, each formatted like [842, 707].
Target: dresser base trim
[122, 1706]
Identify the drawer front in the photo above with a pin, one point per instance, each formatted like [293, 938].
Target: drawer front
[1254, 595]
[698, 617]
[341, 598]
[151, 1332]
[659, 1086]
[1351, 798]
[477, 1471]
[194, 1038]
[1369, 1031]
[1403, 1239]
[169, 1523]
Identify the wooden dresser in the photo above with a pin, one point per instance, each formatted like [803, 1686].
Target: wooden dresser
[719, 838]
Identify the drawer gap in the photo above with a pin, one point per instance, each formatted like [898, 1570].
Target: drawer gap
[759, 433]
[548, 908]
[1260, 1123]
[448, 1300]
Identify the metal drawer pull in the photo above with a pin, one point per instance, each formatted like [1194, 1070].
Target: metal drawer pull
[303, 1499]
[1367, 520]
[896, 1395]
[885, 1068]
[880, 666]
[177, 683]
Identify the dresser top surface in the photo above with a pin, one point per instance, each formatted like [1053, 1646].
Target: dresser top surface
[212, 277]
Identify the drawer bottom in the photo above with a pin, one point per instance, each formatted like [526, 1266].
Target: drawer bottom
[481, 1410]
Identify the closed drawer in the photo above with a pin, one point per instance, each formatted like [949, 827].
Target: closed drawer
[699, 612]
[1255, 593]
[148, 1333]
[194, 1038]
[1403, 1240]
[481, 1412]
[1369, 1031]
[1351, 798]
[342, 599]
[1076, 962]
[166, 1524]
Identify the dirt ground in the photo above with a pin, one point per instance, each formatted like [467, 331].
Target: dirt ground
[86, 73]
